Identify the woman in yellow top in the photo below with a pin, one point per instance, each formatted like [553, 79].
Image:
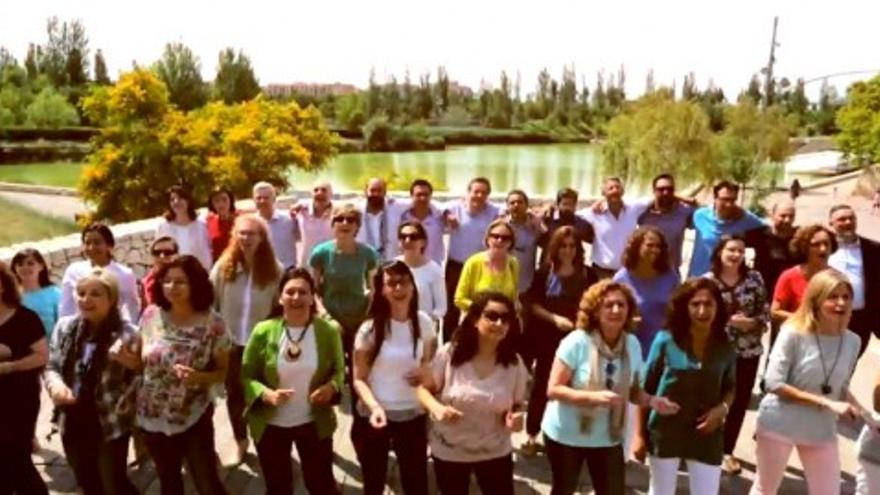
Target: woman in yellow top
[493, 270]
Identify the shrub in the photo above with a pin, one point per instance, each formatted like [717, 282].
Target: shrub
[50, 109]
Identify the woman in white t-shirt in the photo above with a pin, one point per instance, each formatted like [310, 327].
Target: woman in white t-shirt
[392, 352]
[430, 283]
[182, 224]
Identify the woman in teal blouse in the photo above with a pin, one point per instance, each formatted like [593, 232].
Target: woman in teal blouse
[292, 371]
[693, 364]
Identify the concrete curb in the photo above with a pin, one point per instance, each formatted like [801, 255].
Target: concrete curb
[37, 189]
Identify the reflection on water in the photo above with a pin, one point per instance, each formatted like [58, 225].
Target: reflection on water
[540, 170]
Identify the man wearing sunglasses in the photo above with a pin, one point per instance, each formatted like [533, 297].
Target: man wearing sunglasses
[670, 214]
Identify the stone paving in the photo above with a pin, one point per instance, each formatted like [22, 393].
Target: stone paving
[532, 474]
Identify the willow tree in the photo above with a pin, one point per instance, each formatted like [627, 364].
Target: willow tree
[657, 134]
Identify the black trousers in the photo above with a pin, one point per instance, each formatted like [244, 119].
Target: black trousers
[18, 476]
[495, 476]
[235, 393]
[99, 465]
[315, 455]
[546, 352]
[860, 322]
[196, 446]
[409, 439]
[450, 320]
[605, 464]
[746, 371]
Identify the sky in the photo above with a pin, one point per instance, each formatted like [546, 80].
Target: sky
[340, 41]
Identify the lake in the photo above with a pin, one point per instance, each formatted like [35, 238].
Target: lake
[537, 169]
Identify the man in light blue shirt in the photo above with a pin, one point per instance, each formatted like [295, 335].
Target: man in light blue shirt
[725, 217]
[283, 230]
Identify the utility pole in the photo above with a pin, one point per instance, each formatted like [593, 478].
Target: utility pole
[768, 71]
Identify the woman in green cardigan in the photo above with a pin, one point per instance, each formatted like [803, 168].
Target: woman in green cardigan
[292, 371]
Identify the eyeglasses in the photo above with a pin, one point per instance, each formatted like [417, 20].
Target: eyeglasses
[500, 237]
[410, 237]
[345, 219]
[163, 253]
[664, 189]
[501, 317]
[610, 368]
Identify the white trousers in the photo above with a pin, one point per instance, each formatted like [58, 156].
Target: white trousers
[867, 478]
[704, 479]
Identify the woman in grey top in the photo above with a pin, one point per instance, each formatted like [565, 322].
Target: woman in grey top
[807, 382]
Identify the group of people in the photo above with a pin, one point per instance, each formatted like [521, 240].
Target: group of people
[445, 350]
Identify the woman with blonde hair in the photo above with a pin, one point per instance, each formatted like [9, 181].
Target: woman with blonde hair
[90, 378]
[494, 269]
[596, 372]
[245, 281]
[807, 381]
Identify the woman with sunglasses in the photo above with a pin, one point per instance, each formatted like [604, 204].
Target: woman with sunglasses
[745, 299]
[475, 394]
[694, 365]
[163, 249]
[293, 371]
[392, 354]
[245, 281]
[430, 284]
[493, 270]
[554, 297]
[596, 372]
[182, 223]
[343, 271]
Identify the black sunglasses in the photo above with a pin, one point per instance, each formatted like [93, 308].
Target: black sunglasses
[610, 368]
[163, 252]
[503, 317]
[500, 237]
[410, 237]
[345, 219]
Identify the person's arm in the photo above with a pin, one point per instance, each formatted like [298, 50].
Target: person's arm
[781, 293]
[129, 294]
[252, 366]
[781, 362]
[67, 306]
[438, 295]
[714, 418]
[762, 318]
[217, 283]
[559, 388]
[432, 386]
[362, 366]
[37, 358]
[464, 290]
[58, 391]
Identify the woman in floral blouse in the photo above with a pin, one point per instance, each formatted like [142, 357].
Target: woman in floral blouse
[745, 298]
[184, 352]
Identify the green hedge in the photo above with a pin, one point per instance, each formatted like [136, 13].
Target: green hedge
[42, 151]
[19, 134]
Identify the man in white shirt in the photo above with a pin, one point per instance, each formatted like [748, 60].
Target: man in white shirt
[313, 217]
[857, 257]
[423, 211]
[283, 230]
[613, 226]
[381, 216]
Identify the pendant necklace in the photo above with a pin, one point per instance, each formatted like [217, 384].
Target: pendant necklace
[294, 350]
[826, 388]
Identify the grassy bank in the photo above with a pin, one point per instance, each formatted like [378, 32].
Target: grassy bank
[61, 174]
[21, 224]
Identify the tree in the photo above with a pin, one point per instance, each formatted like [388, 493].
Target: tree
[101, 76]
[750, 141]
[146, 145]
[391, 99]
[350, 112]
[754, 90]
[660, 135]
[423, 103]
[180, 70]
[6, 58]
[374, 95]
[859, 121]
[796, 103]
[829, 104]
[689, 89]
[50, 109]
[31, 61]
[64, 58]
[442, 90]
[235, 81]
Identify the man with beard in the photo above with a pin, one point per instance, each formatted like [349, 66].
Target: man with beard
[857, 257]
[564, 214]
[772, 254]
[670, 214]
[712, 222]
[423, 211]
[381, 216]
[526, 227]
[467, 220]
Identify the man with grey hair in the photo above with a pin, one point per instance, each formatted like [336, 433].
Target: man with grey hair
[313, 216]
[283, 230]
[857, 257]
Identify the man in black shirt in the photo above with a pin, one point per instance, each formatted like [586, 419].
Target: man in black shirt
[772, 255]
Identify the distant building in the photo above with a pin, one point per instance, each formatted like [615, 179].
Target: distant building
[310, 89]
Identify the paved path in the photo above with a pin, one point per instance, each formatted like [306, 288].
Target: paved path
[532, 474]
[48, 204]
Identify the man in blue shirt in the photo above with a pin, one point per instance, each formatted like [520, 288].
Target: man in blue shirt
[712, 222]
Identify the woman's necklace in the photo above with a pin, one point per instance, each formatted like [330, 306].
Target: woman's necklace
[294, 350]
[826, 388]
